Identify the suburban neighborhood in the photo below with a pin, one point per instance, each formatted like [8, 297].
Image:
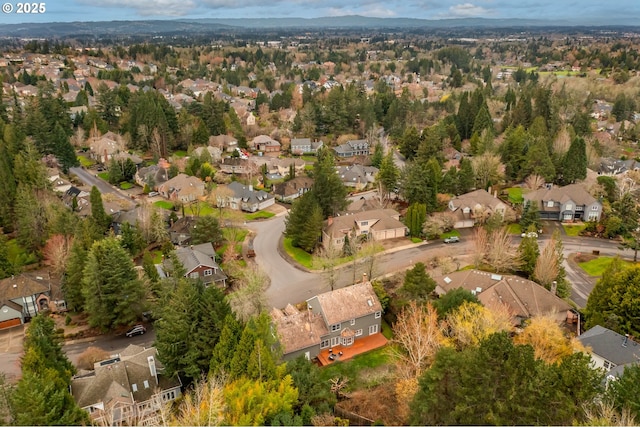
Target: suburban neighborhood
[319, 226]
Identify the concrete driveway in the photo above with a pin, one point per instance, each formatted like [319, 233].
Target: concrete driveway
[11, 339]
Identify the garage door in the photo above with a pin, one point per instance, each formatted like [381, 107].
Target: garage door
[9, 323]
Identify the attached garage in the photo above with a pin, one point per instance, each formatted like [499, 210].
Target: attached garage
[10, 315]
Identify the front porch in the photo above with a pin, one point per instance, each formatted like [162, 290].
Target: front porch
[360, 345]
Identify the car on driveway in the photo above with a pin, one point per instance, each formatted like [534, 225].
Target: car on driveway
[136, 330]
[452, 239]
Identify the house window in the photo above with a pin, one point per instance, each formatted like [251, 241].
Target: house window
[134, 387]
[579, 208]
[608, 365]
[594, 208]
[335, 327]
[324, 343]
[568, 216]
[363, 223]
[208, 272]
[171, 395]
[146, 384]
[593, 216]
[550, 204]
[352, 322]
[347, 340]
[335, 341]
[373, 329]
[569, 207]
[359, 332]
[194, 275]
[378, 314]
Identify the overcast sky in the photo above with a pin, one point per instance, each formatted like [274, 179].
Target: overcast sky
[107, 10]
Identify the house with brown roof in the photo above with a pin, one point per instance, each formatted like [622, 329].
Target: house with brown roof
[524, 298]
[236, 166]
[180, 231]
[569, 203]
[126, 389]
[265, 144]
[335, 318]
[153, 175]
[378, 224]
[224, 142]
[244, 197]
[23, 297]
[183, 188]
[357, 176]
[290, 190]
[476, 207]
[103, 149]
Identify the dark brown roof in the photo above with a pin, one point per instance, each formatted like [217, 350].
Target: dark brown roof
[23, 286]
[298, 330]
[575, 192]
[352, 302]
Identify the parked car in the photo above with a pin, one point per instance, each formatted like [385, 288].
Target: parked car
[452, 239]
[136, 330]
[153, 194]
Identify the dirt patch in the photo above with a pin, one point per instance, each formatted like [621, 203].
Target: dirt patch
[377, 403]
[582, 257]
[76, 328]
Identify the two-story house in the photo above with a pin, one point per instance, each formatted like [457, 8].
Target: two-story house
[300, 146]
[476, 207]
[244, 197]
[357, 176]
[235, 166]
[609, 349]
[126, 389]
[377, 224]
[198, 262]
[22, 297]
[153, 175]
[265, 144]
[569, 203]
[333, 320]
[290, 190]
[358, 147]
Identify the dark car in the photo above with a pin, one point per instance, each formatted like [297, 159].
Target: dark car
[136, 330]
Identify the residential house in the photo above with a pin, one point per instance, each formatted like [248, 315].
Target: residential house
[250, 119]
[153, 175]
[569, 203]
[183, 188]
[300, 146]
[379, 224]
[476, 207]
[81, 198]
[129, 388]
[290, 190]
[336, 318]
[102, 149]
[23, 297]
[363, 204]
[215, 154]
[180, 231]
[224, 142]
[265, 144]
[523, 298]
[359, 147]
[60, 185]
[236, 166]
[199, 263]
[610, 166]
[357, 176]
[279, 166]
[244, 197]
[609, 349]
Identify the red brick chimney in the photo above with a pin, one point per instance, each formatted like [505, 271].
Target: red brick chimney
[329, 221]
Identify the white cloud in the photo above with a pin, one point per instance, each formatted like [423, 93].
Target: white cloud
[467, 10]
[149, 7]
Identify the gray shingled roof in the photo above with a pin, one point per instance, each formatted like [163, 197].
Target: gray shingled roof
[609, 345]
[247, 193]
[575, 192]
[348, 303]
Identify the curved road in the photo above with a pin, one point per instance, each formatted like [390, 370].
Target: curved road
[292, 285]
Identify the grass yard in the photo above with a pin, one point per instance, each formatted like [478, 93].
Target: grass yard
[86, 162]
[258, 215]
[301, 257]
[204, 209]
[416, 240]
[514, 229]
[515, 195]
[309, 158]
[104, 176]
[574, 229]
[164, 204]
[179, 153]
[596, 267]
[126, 185]
[157, 256]
[450, 234]
[355, 368]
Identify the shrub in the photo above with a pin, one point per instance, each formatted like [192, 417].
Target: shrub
[90, 356]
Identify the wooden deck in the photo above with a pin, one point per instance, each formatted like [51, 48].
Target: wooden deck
[361, 345]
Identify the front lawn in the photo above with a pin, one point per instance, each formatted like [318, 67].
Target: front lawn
[126, 185]
[450, 234]
[104, 176]
[259, 215]
[309, 158]
[574, 229]
[514, 229]
[164, 204]
[596, 267]
[200, 209]
[86, 162]
[301, 257]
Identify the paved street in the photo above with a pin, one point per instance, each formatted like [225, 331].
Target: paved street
[112, 344]
[89, 179]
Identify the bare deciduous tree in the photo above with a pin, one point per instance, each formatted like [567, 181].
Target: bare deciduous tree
[77, 140]
[471, 323]
[369, 252]
[487, 169]
[501, 253]
[481, 246]
[533, 182]
[547, 268]
[249, 299]
[562, 142]
[419, 336]
[203, 405]
[56, 253]
[90, 356]
[329, 259]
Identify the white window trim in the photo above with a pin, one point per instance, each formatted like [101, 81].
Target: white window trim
[194, 275]
[378, 314]
[595, 208]
[359, 332]
[325, 343]
[352, 322]
[373, 329]
[208, 272]
[134, 387]
[336, 327]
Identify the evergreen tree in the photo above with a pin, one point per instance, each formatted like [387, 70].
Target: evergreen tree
[74, 273]
[538, 162]
[529, 251]
[304, 222]
[530, 216]
[574, 164]
[327, 188]
[466, 177]
[6, 268]
[100, 217]
[378, 155]
[416, 216]
[418, 285]
[389, 174]
[483, 121]
[31, 217]
[112, 292]
[226, 345]
[207, 230]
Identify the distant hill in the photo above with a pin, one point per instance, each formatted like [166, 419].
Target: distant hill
[188, 27]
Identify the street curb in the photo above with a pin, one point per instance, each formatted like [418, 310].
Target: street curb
[80, 340]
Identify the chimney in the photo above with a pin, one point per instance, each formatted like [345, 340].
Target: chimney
[554, 287]
[329, 221]
[152, 367]
[364, 277]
